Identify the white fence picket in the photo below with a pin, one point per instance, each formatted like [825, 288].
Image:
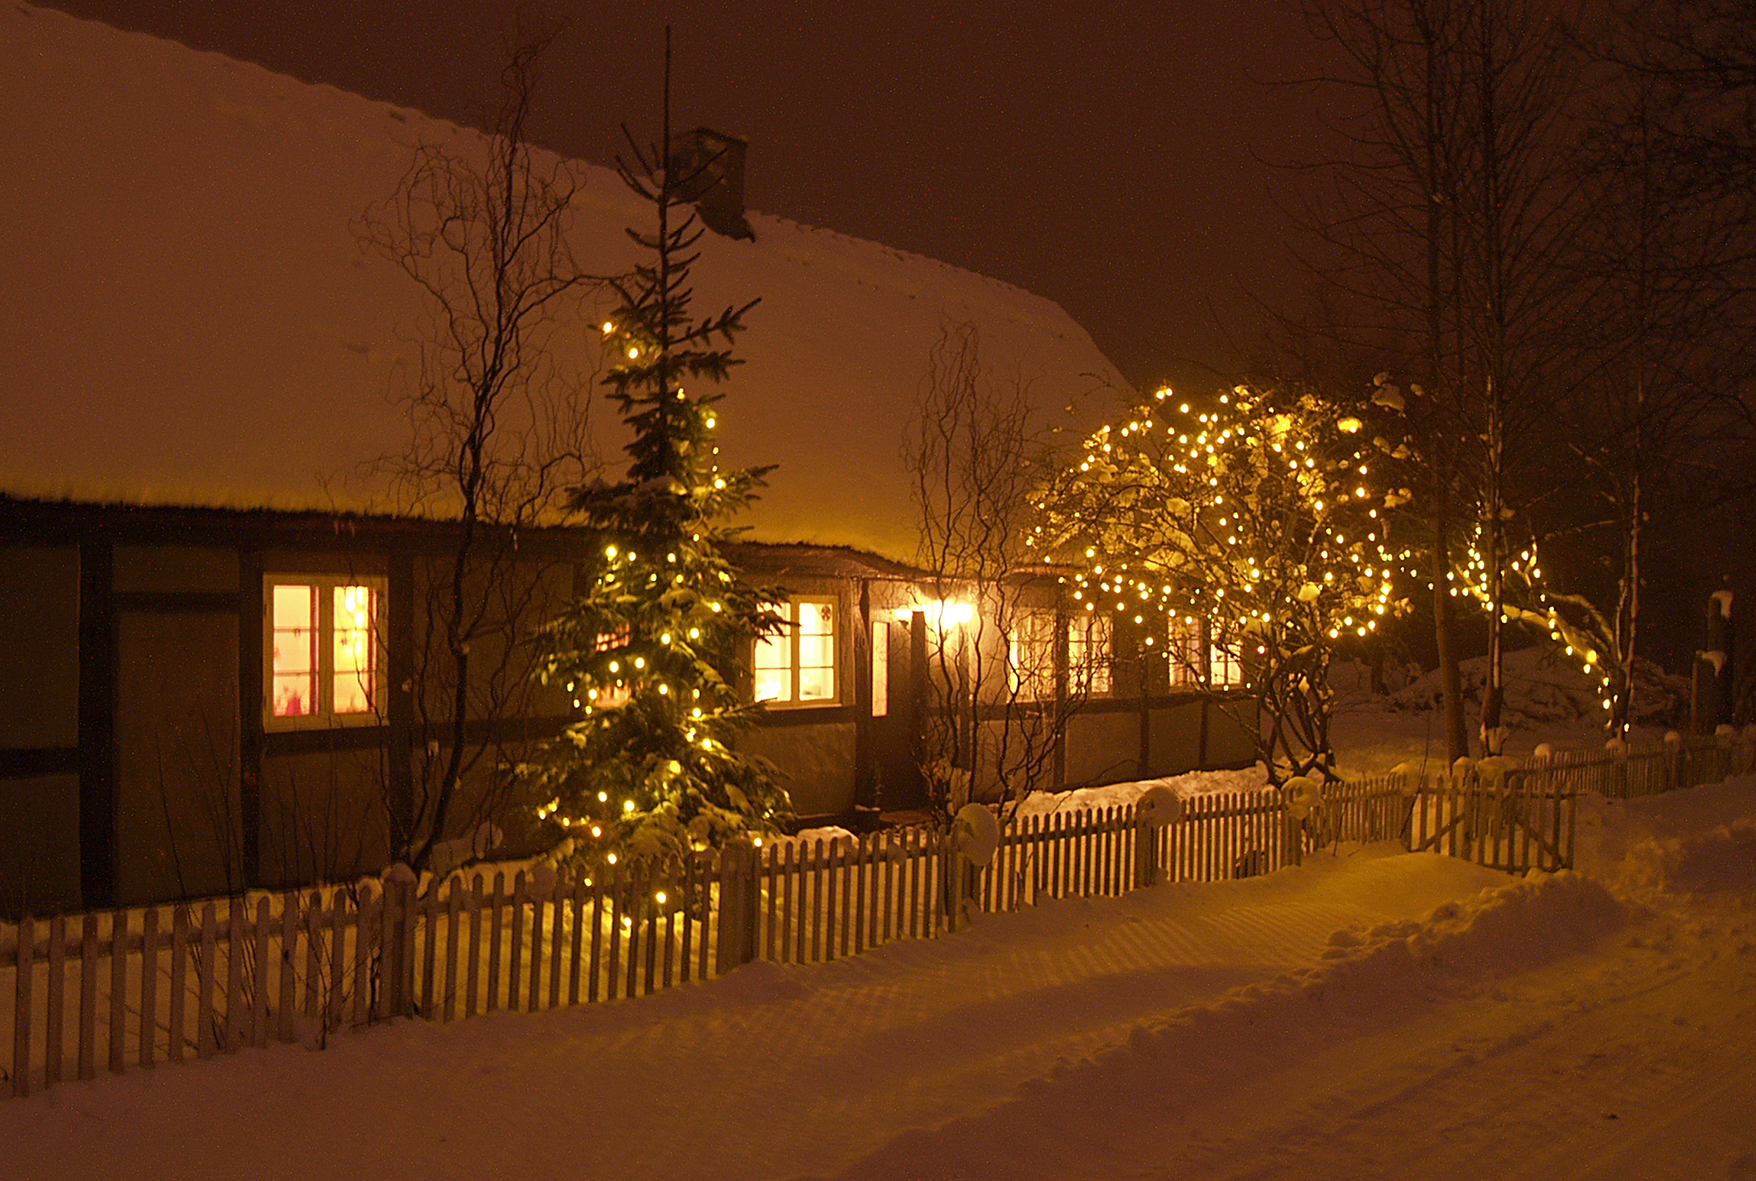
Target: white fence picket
[354, 955]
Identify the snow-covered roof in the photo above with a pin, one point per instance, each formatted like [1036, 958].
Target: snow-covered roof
[191, 319]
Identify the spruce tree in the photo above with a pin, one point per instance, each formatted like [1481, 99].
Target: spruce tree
[647, 652]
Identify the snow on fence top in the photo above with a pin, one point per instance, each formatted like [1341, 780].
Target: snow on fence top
[192, 321]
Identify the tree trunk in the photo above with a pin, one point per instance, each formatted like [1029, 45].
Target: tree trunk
[1445, 635]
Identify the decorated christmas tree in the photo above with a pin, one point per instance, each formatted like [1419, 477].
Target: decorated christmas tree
[648, 652]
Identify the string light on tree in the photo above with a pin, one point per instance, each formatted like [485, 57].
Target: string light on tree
[1570, 623]
[1196, 513]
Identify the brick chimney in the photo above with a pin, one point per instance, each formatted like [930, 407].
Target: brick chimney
[710, 170]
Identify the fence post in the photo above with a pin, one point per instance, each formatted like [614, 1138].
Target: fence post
[737, 906]
[954, 886]
[26, 959]
[1145, 854]
[1156, 810]
[389, 952]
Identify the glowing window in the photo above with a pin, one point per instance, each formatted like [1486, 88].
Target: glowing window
[1225, 666]
[1090, 649]
[1183, 642]
[324, 651]
[880, 667]
[1030, 671]
[797, 665]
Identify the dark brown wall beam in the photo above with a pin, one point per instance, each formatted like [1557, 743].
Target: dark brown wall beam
[400, 673]
[248, 602]
[178, 602]
[865, 775]
[49, 522]
[810, 715]
[97, 722]
[345, 738]
[32, 762]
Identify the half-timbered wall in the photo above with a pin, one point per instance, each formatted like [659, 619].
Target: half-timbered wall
[138, 761]
[39, 727]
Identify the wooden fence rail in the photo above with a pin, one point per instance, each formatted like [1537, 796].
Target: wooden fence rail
[191, 980]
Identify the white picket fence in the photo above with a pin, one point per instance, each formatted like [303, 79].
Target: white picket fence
[162, 984]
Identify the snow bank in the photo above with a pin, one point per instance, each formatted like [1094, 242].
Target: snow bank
[1700, 841]
[1543, 685]
[1193, 783]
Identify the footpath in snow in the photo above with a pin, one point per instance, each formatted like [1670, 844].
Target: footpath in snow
[1368, 1014]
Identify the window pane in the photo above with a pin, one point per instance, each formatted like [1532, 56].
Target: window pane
[1101, 652]
[774, 684]
[771, 651]
[880, 668]
[816, 619]
[356, 653]
[1225, 667]
[293, 682]
[816, 684]
[816, 651]
[1088, 652]
[1031, 671]
[773, 661]
[1185, 650]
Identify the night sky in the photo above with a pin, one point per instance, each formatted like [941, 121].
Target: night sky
[1128, 160]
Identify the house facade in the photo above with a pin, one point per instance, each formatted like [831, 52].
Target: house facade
[223, 657]
[193, 701]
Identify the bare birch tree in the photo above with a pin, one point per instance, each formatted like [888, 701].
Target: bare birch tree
[1453, 211]
[499, 435]
[1001, 700]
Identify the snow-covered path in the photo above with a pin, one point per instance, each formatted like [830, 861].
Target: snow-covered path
[1636, 1062]
[1366, 1015]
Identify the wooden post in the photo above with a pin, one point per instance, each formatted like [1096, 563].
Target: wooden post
[53, 1027]
[88, 995]
[119, 991]
[955, 887]
[1145, 855]
[21, 1002]
[1713, 688]
[737, 907]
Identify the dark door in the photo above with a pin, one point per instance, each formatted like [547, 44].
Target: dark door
[896, 695]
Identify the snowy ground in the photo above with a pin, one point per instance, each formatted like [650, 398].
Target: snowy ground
[1370, 1014]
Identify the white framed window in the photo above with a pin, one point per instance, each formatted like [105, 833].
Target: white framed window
[798, 665]
[1030, 657]
[323, 647]
[1183, 643]
[1225, 664]
[1090, 650]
